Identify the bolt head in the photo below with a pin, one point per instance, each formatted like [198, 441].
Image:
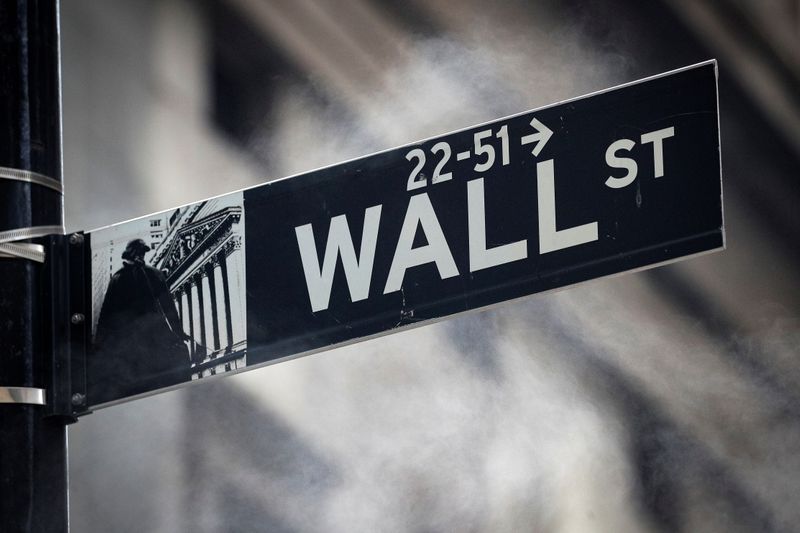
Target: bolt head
[76, 238]
[78, 398]
[77, 318]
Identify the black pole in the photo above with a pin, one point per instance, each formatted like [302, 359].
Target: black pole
[33, 448]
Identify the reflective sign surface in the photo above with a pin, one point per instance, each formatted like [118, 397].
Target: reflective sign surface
[611, 182]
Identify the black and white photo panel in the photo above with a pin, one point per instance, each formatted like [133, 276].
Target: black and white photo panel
[168, 299]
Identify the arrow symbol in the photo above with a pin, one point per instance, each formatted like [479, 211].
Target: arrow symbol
[542, 135]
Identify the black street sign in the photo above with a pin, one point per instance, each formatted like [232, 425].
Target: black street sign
[614, 181]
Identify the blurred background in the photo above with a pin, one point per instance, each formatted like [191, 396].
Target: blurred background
[667, 400]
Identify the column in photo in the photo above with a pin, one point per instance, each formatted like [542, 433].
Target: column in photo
[188, 315]
[236, 268]
[226, 297]
[194, 290]
[208, 311]
[201, 306]
[223, 313]
[212, 293]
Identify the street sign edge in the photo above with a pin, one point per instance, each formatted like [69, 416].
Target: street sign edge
[719, 152]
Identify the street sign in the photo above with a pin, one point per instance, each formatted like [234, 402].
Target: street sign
[614, 181]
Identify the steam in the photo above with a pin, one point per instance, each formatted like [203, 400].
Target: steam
[543, 425]
[446, 86]
[598, 408]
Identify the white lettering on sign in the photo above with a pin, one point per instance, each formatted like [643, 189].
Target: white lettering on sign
[657, 137]
[551, 239]
[421, 216]
[486, 150]
[420, 213]
[357, 270]
[479, 256]
[413, 182]
[482, 149]
[438, 175]
[542, 135]
[615, 161]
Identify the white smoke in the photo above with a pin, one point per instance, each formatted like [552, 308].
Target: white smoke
[542, 415]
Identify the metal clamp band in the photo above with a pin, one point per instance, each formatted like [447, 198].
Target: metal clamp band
[24, 395]
[34, 252]
[29, 176]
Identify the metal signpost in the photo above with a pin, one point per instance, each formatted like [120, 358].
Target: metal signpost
[615, 181]
[33, 445]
